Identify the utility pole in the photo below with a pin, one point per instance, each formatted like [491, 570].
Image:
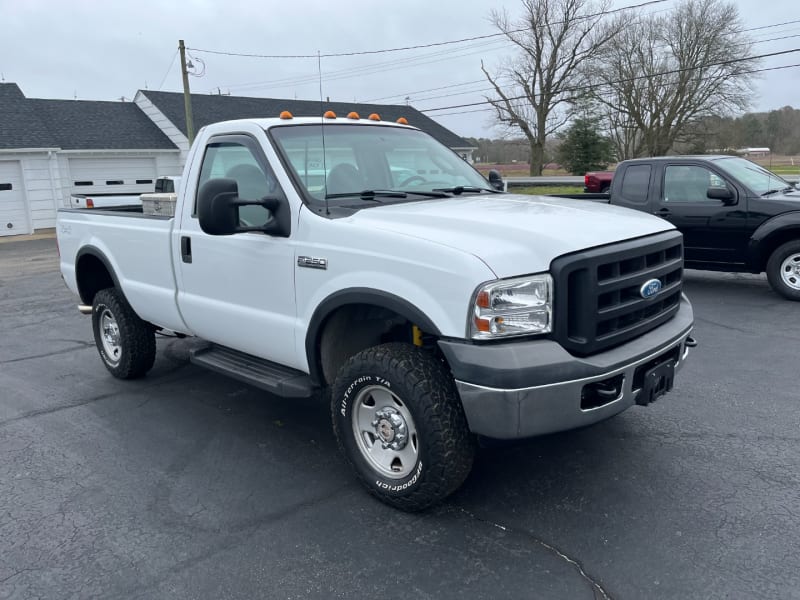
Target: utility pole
[187, 98]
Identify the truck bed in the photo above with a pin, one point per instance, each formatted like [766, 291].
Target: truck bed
[137, 247]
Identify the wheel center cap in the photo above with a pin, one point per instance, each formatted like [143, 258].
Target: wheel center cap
[390, 428]
[111, 334]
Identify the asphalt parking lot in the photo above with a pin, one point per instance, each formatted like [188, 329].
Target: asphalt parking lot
[187, 484]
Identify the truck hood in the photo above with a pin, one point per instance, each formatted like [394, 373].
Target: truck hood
[792, 196]
[512, 234]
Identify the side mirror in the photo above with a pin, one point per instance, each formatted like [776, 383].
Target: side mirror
[720, 193]
[218, 206]
[496, 180]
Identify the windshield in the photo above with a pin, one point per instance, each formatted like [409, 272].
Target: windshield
[360, 158]
[752, 175]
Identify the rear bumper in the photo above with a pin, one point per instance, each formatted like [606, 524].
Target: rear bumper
[528, 388]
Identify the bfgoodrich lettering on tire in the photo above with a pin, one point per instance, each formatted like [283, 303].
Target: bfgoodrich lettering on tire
[783, 270]
[400, 424]
[126, 344]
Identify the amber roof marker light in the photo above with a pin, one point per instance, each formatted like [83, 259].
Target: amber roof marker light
[374, 117]
[353, 115]
[402, 121]
[329, 114]
[285, 114]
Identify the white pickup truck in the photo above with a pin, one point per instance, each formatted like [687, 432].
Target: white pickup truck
[364, 261]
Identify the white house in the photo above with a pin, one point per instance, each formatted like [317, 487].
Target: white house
[51, 148]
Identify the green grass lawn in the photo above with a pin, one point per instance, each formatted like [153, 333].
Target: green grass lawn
[547, 189]
[784, 169]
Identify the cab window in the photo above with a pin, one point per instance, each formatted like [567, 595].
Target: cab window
[689, 183]
[235, 161]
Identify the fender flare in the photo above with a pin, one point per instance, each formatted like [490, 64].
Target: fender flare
[373, 297]
[777, 224]
[95, 252]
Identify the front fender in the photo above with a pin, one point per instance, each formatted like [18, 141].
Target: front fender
[761, 242]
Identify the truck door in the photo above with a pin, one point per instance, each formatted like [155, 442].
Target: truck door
[237, 290]
[714, 232]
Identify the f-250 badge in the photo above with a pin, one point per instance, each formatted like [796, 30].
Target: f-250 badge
[311, 262]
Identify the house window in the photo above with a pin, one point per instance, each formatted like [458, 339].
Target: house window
[5, 187]
[142, 181]
[80, 183]
[115, 182]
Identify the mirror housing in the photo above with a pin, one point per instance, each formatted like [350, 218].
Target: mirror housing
[218, 205]
[720, 193]
[496, 180]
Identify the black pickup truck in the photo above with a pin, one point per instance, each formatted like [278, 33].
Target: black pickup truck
[734, 214]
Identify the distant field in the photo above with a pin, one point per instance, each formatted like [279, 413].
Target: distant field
[782, 165]
[547, 189]
[516, 170]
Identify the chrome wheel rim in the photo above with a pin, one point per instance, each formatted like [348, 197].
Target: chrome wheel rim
[790, 271]
[385, 432]
[109, 336]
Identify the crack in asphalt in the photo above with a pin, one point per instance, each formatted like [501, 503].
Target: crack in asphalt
[233, 537]
[60, 407]
[80, 346]
[597, 589]
[53, 409]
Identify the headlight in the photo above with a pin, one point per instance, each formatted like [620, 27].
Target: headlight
[509, 307]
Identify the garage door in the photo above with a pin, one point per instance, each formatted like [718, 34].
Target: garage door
[13, 212]
[112, 175]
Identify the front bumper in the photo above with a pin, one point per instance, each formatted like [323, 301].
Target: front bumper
[526, 388]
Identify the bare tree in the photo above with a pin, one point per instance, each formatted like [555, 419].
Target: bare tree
[664, 73]
[534, 89]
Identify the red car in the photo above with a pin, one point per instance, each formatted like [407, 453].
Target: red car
[597, 182]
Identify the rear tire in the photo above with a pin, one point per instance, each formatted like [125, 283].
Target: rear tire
[783, 270]
[400, 424]
[127, 345]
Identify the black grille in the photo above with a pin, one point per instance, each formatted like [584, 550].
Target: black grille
[598, 301]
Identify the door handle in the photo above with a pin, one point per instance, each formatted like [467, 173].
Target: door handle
[662, 212]
[186, 249]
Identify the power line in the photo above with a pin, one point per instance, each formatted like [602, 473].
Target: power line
[646, 76]
[397, 63]
[418, 46]
[489, 89]
[404, 94]
[492, 108]
[768, 26]
[171, 64]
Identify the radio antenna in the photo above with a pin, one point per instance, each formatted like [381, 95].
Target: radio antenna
[322, 130]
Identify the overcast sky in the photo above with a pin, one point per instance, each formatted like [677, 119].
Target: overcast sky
[104, 50]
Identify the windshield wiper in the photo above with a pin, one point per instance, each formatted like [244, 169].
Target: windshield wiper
[775, 191]
[460, 189]
[369, 194]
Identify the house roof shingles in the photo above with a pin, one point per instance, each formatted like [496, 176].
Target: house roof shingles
[75, 124]
[20, 126]
[91, 125]
[207, 109]
[99, 125]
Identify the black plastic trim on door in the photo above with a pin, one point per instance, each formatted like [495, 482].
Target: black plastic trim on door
[186, 249]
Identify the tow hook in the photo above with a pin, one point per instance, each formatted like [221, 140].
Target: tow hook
[691, 342]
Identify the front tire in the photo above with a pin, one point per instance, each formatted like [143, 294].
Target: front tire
[400, 424]
[127, 345]
[783, 270]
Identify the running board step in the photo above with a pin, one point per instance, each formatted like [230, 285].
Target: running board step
[269, 376]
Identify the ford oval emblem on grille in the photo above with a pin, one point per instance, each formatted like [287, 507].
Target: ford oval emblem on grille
[650, 288]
